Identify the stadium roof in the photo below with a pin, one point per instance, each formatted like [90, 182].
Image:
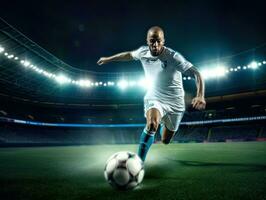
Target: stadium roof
[20, 82]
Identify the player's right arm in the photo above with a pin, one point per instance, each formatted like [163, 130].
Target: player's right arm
[124, 56]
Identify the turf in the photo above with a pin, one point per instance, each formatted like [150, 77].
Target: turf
[177, 171]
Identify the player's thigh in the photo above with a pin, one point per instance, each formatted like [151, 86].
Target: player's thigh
[153, 118]
[171, 125]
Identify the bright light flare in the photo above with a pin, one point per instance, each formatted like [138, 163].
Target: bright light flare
[61, 79]
[216, 72]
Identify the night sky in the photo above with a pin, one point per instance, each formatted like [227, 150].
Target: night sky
[79, 33]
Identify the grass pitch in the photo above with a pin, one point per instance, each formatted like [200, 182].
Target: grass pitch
[177, 171]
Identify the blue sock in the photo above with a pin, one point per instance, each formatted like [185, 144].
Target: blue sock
[146, 140]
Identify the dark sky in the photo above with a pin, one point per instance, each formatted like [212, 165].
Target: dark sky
[79, 33]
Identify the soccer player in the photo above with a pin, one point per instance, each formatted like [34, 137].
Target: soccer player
[164, 101]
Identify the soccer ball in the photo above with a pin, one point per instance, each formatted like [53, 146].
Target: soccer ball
[124, 170]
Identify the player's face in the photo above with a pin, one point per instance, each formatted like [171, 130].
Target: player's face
[155, 42]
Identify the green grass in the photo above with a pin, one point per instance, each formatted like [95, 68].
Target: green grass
[177, 171]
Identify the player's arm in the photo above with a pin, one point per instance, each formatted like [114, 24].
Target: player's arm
[124, 56]
[199, 101]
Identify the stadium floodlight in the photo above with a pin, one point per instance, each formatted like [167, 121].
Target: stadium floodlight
[36, 68]
[244, 67]
[96, 84]
[216, 72]
[104, 84]
[16, 58]
[122, 84]
[253, 65]
[110, 83]
[6, 54]
[259, 64]
[45, 73]
[50, 75]
[2, 49]
[40, 71]
[26, 63]
[238, 67]
[61, 79]
[10, 56]
[84, 83]
[264, 62]
[220, 71]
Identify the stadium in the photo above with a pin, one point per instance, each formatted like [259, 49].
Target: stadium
[61, 118]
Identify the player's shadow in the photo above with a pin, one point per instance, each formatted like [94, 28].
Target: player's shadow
[165, 170]
[241, 166]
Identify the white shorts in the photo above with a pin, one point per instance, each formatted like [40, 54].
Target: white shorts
[170, 119]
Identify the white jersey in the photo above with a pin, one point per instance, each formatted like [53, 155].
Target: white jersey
[165, 74]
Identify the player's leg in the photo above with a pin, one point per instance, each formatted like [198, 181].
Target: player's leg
[166, 135]
[153, 118]
[170, 127]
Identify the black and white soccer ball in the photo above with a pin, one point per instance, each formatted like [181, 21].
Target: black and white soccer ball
[124, 170]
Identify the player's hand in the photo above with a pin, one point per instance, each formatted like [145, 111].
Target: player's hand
[103, 60]
[199, 103]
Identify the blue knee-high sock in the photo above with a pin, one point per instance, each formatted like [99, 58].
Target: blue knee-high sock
[146, 140]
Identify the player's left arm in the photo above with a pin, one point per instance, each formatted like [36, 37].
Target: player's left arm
[199, 101]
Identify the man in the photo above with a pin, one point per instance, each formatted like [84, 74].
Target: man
[164, 101]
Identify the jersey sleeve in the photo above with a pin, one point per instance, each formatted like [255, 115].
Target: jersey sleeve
[136, 53]
[181, 63]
